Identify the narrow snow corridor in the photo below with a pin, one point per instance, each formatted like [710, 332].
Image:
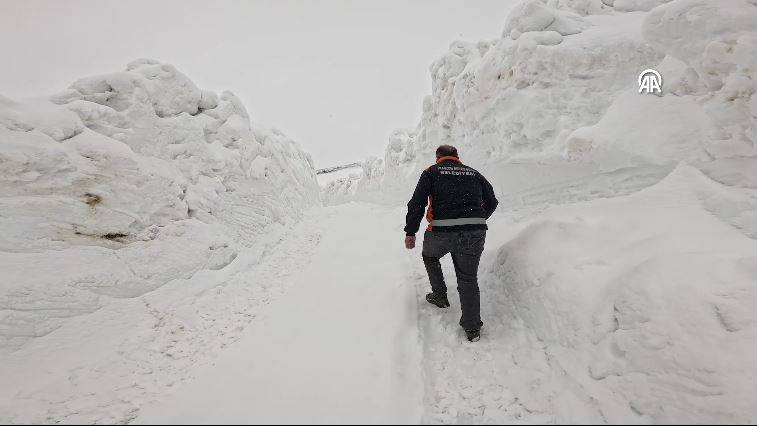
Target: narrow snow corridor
[167, 258]
[342, 346]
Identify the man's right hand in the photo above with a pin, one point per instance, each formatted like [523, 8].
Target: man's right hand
[410, 242]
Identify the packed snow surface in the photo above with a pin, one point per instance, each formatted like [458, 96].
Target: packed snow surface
[341, 348]
[165, 261]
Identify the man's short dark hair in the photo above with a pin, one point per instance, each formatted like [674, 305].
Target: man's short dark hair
[446, 151]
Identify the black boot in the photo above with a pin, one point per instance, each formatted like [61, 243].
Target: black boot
[437, 299]
[473, 335]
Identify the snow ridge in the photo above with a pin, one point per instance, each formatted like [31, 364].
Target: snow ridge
[618, 283]
[126, 181]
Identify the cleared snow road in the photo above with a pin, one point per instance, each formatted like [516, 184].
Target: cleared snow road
[340, 347]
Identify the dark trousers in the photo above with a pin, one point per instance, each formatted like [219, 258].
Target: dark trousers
[466, 248]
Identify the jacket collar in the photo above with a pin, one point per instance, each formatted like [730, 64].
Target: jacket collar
[442, 159]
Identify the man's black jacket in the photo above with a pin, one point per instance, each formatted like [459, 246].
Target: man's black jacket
[453, 191]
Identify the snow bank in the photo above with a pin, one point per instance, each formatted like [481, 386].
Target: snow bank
[643, 298]
[125, 182]
[559, 87]
[519, 98]
[708, 110]
[647, 301]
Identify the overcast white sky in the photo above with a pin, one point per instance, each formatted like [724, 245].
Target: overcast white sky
[336, 75]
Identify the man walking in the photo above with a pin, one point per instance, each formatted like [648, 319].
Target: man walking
[459, 201]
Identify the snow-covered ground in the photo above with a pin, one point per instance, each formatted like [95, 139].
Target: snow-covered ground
[163, 260]
[342, 347]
